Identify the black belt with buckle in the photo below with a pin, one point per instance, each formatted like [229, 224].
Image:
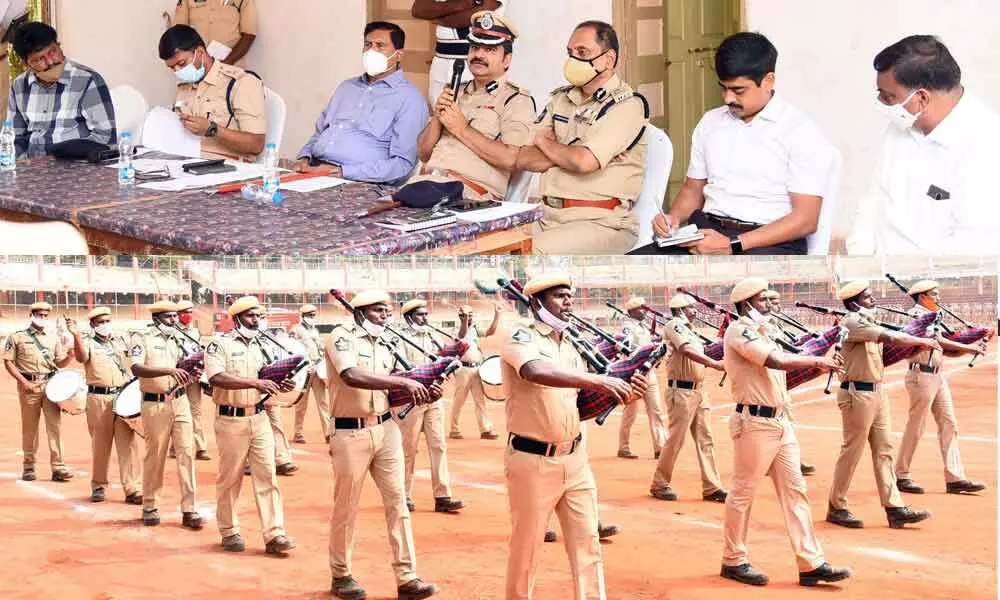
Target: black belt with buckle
[37, 376]
[101, 390]
[147, 397]
[682, 385]
[524, 444]
[353, 423]
[233, 411]
[767, 412]
[735, 224]
[471, 365]
[923, 368]
[860, 386]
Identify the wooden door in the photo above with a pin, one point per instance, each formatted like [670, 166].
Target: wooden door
[420, 38]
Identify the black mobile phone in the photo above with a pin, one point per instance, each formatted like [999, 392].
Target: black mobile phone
[466, 205]
[208, 167]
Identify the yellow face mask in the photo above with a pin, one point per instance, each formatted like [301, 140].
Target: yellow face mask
[580, 71]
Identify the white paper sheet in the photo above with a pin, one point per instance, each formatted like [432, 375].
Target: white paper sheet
[218, 50]
[163, 132]
[506, 209]
[313, 184]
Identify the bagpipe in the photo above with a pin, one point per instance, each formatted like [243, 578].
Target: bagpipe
[729, 316]
[713, 348]
[456, 348]
[205, 386]
[592, 404]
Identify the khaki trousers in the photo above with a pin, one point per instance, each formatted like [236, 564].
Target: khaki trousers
[34, 404]
[378, 451]
[282, 452]
[428, 419]
[537, 485]
[866, 419]
[241, 440]
[106, 429]
[316, 390]
[167, 422]
[467, 382]
[194, 394]
[688, 410]
[654, 412]
[584, 231]
[929, 393]
[768, 447]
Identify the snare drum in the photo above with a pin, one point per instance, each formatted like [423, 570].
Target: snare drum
[286, 399]
[68, 390]
[489, 374]
[128, 406]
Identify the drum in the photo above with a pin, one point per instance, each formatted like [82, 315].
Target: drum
[489, 374]
[128, 406]
[68, 389]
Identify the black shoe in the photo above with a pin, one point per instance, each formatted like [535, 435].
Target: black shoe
[234, 543]
[416, 590]
[844, 518]
[327, 439]
[606, 531]
[807, 469]
[825, 572]
[664, 494]
[656, 455]
[744, 574]
[299, 439]
[246, 471]
[346, 588]
[192, 520]
[171, 453]
[28, 475]
[909, 486]
[448, 505]
[279, 545]
[903, 515]
[964, 487]
[627, 454]
[550, 536]
[286, 469]
[488, 435]
[62, 475]
[97, 495]
[134, 498]
[716, 496]
[150, 518]
[410, 506]
[202, 455]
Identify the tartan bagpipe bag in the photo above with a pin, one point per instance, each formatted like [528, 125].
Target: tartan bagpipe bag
[597, 405]
[971, 335]
[606, 348]
[425, 374]
[455, 349]
[283, 369]
[812, 345]
[918, 327]
[192, 362]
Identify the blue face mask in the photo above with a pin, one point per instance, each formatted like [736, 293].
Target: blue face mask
[190, 74]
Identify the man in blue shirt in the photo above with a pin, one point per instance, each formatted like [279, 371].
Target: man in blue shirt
[369, 130]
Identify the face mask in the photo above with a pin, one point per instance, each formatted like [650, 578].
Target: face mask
[190, 74]
[310, 321]
[929, 303]
[261, 324]
[52, 74]
[420, 328]
[551, 320]
[247, 332]
[371, 328]
[185, 319]
[866, 312]
[897, 113]
[580, 71]
[41, 323]
[103, 330]
[375, 62]
[756, 316]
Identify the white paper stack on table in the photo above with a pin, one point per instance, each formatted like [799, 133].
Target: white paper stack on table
[683, 235]
[164, 132]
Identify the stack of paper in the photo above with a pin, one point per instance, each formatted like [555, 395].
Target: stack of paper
[688, 233]
[163, 131]
[507, 209]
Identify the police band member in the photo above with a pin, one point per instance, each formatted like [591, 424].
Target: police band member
[638, 333]
[306, 332]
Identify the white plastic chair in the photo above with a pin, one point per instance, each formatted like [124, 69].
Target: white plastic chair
[519, 187]
[659, 162]
[276, 111]
[819, 242]
[130, 110]
[52, 237]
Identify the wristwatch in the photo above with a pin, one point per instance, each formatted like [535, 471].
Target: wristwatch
[735, 245]
[213, 130]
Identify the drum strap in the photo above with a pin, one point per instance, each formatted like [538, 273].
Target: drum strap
[45, 351]
[114, 356]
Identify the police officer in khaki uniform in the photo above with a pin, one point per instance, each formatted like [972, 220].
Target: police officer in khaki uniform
[364, 438]
[589, 143]
[192, 344]
[864, 407]
[232, 23]
[242, 429]
[638, 334]
[306, 332]
[929, 393]
[467, 381]
[32, 356]
[764, 443]
[104, 357]
[166, 414]
[273, 351]
[546, 468]
[687, 405]
[221, 103]
[475, 139]
[426, 418]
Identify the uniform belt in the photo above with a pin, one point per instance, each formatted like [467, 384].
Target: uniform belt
[147, 397]
[737, 224]
[360, 423]
[682, 385]
[523, 444]
[473, 365]
[37, 376]
[923, 368]
[453, 50]
[249, 411]
[768, 412]
[609, 204]
[101, 390]
[859, 386]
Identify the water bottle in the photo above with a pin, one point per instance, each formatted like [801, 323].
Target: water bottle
[126, 171]
[271, 179]
[8, 152]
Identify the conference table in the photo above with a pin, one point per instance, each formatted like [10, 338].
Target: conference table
[136, 220]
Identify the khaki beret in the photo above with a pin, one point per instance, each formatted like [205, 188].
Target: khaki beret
[681, 301]
[99, 311]
[369, 297]
[852, 288]
[748, 288]
[185, 305]
[307, 308]
[635, 302]
[413, 305]
[924, 285]
[244, 304]
[546, 282]
[163, 306]
[40, 306]
[773, 295]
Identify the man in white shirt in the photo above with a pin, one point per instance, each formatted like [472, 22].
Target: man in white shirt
[935, 189]
[759, 167]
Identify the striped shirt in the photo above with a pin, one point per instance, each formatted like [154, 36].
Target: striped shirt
[78, 106]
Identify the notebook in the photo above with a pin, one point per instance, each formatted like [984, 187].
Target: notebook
[418, 221]
[688, 233]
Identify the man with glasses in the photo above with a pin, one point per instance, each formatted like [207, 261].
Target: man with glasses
[56, 99]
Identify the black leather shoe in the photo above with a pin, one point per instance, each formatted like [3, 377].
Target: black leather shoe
[664, 494]
[807, 469]
[744, 574]
[171, 453]
[279, 545]
[299, 439]
[606, 531]
[97, 495]
[202, 455]
[134, 498]
[246, 470]
[488, 435]
[825, 572]
[192, 520]
[627, 454]
[416, 590]
[28, 475]
[844, 518]
[234, 543]
[410, 506]
[656, 455]
[964, 487]
[346, 588]
[550, 536]
[903, 515]
[62, 475]
[286, 469]
[716, 496]
[448, 505]
[151, 518]
[909, 486]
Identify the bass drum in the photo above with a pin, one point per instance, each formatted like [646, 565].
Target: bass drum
[68, 390]
[489, 374]
[128, 407]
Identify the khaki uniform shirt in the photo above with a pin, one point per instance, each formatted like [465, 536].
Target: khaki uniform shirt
[542, 413]
[423, 339]
[106, 361]
[223, 21]
[309, 336]
[153, 348]
[574, 120]
[351, 347]
[28, 358]
[923, 355]
[862, 351]
[500, 111]
[234, 354]
[474, 354]
[747, 347]
[678, 334]
[638, 333]
[207, 98]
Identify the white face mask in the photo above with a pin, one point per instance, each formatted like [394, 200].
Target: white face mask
[41, 323]
[756, 316]
[371, 328]
[190, 73]
[262, 324]
[551, 320]
[375, 62]
[103, 330]
[246, 331]
[420, 328]
[310, 321]
[897, 113]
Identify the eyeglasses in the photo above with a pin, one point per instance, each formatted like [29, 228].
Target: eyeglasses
[46, 58]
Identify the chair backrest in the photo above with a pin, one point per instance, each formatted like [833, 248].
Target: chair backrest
[130, 110]
[519, 187]
[277, 112]
[53, 237]
[659, 162]
[819, 242]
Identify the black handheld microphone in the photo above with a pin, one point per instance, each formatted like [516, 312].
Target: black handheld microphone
[457, 70]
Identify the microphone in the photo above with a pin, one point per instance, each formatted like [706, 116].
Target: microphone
[457, 70]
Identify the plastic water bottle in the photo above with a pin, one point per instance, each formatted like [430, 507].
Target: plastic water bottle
[126, 171]
[271, 179]
[8, 152]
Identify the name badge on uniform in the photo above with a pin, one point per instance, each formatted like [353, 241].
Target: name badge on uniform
[936, 193]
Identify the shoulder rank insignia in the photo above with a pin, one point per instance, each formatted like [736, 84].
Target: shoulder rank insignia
[521, 336]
